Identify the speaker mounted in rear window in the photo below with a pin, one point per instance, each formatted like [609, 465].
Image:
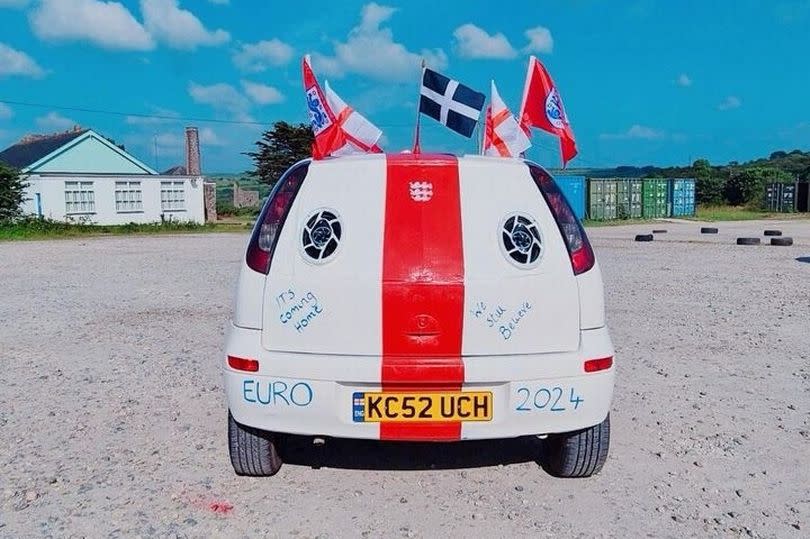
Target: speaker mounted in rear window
[321, 236]
[521, 240]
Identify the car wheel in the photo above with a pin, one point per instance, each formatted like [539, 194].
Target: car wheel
[253, 451]
[773, 232]
[748, 241]
[577, 454]
[644, 237]
[708, 230]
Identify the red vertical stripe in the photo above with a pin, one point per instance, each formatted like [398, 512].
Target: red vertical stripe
[423, 287]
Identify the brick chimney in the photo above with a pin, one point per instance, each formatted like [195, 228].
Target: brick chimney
[193, 167]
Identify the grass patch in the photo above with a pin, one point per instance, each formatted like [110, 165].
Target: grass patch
[37, 229]
[741, 213]
[614, 222]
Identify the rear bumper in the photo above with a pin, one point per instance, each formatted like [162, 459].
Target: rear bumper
[311, 394]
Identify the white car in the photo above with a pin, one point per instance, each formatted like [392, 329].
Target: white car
[419, 298]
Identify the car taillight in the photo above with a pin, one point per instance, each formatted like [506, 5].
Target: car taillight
[579, 248]
[271, 219]
[596, 365]
[243, 364]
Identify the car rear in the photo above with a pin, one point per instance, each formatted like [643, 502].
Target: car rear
[418, 297]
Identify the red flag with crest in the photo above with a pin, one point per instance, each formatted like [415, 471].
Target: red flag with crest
[543, 108]
[329, 137]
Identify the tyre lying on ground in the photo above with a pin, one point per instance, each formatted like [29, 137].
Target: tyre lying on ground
[784, 241]
[644, 237]
[659, 231]
[773, 232]
[485, 264]
[748, 241]
[708, 230]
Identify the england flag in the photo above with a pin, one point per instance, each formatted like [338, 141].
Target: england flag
[503, 136]
[361, 135]
[449, 102]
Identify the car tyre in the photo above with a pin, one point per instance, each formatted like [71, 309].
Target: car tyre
[783, 241]
[708, 230]
[644, 237]
[748, 241]
[773, 232]
[659, 231]
[253, 451]
[577, 454]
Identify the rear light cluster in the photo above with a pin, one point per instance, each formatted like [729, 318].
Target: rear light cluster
[601, 364]
[579, 248]
[271, 219]
[242, 364]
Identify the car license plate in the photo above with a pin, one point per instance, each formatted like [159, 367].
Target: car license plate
[414, 407]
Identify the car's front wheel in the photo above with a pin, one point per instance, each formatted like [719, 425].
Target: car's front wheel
[577, 454]
[253, 451]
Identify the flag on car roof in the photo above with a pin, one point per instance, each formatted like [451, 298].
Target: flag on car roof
[361, 135]
[503, 136]
[449, 102]
[329, 137]
[542, 107]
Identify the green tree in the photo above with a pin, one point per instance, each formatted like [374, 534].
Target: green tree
[709, 183]
[747, 186]
[12, 193]
[279, 148]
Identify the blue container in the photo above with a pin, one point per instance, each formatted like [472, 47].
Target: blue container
[573, 187]
[682, 197]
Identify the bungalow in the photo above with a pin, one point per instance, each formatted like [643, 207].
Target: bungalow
[80, 175]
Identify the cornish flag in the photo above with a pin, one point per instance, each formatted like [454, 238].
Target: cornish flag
[449, 102]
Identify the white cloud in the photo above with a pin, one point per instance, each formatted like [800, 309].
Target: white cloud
[5, 111]
[684, 80]
[53, 121]
[166, 21]
[261, 93]
[474, 42]
[256, 57]
[107, 24]
[540, 40]
[731, 102]
[636, 132]
[14, 62]
[221, 96]
[177, 140]
[370, 50]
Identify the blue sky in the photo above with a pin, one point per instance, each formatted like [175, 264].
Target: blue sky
[643, 81]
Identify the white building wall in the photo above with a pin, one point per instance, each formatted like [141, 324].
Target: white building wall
[51, 188]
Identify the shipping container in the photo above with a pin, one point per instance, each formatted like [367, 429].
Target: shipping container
[601, 199]
[780, 197]
[682, 197]
[628, 198]
[655, 198]
[573, 187]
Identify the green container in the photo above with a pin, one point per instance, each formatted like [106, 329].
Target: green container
[629, 194]
[655, 198]
[601, 199]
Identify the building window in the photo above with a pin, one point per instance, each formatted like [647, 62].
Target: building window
[79, 197]
[172, 196]
[128, 197]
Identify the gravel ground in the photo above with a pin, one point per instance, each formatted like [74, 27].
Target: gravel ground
[112, 415]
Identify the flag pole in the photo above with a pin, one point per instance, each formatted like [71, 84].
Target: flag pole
[416, 148]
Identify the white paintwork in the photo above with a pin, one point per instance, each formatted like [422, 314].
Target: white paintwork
[591, 299]
[52, 190]
[348, 287]
[339, 351]
[491, 189]
[333, 380]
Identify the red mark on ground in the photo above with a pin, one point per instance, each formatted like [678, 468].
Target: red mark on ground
[222, 507]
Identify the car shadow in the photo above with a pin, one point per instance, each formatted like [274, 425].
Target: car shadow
[803, 259]
[379, 455]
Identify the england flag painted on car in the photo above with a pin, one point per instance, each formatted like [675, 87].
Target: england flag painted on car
[449, 102]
